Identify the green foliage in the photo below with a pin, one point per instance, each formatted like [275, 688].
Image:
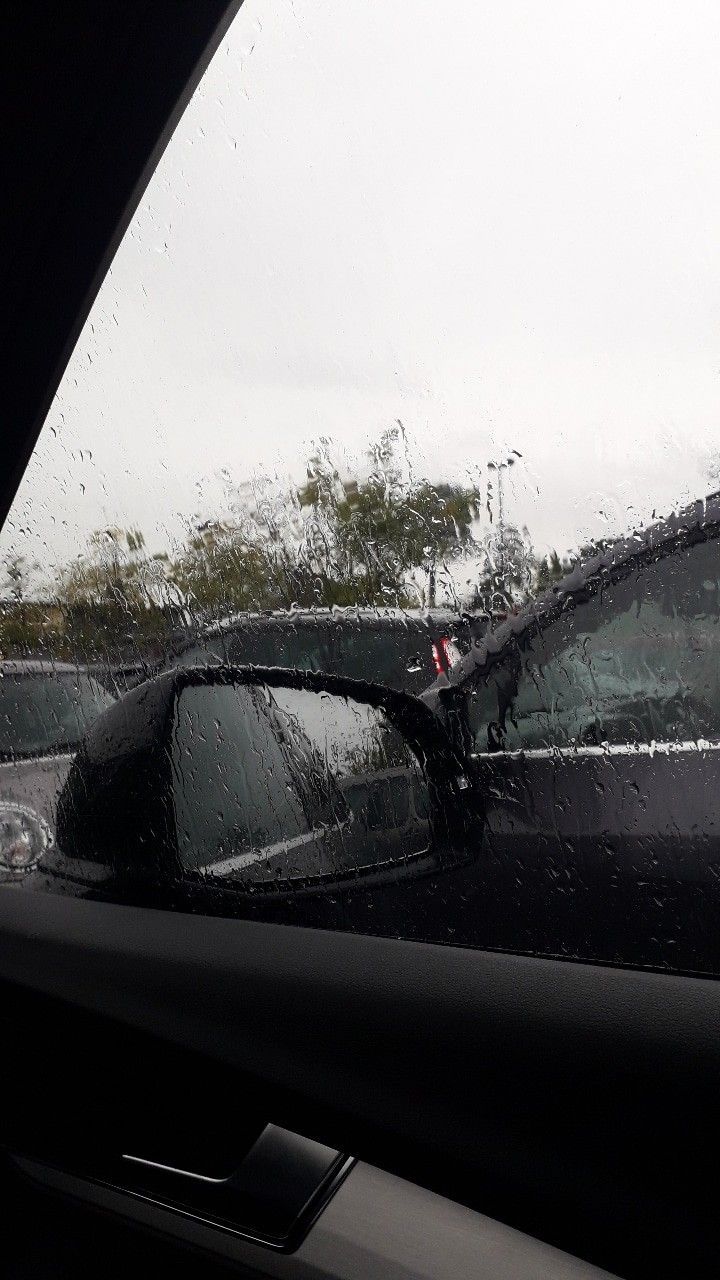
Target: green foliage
[113, 573]
[113, 601]
[507, 570]
[553, 568]
[333, 542]
[219, 572]
[369, 537]
[17, 575]
[381, 538]
[549, 570]
[28, 628]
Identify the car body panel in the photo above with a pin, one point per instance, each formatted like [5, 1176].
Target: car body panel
[35, 781]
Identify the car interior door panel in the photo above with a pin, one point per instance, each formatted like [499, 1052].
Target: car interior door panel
[206, 1020]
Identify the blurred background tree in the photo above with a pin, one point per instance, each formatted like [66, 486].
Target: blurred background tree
[549, 570]
[334, 541]
[506, 571]
[372, 537]
[381, 537]
[115, 597]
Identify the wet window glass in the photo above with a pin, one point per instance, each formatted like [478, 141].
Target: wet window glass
[394, 654]
[405, 372]
[308, 648]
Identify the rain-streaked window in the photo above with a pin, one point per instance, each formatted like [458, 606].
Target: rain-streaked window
[406, 372]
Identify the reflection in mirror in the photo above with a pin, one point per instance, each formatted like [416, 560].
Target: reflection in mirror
[281, 784]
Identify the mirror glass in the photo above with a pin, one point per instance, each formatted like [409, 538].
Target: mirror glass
[273, 785]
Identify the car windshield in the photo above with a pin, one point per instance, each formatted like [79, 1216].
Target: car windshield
[42, 713]
[404, 372]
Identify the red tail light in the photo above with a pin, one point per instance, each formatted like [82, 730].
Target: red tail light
[441, 656]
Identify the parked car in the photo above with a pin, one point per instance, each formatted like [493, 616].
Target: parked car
[402, 649]
[593, 723]
[45, 709]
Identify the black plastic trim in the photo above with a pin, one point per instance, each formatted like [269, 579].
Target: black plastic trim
[89, 106]
[289, 1242]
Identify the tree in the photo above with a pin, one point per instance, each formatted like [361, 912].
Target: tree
[332, 542]
[221, 571]
[372, 536]
[553, 567]
[26, 625]
[109, 573]
[549, 570]
[115, 597]
[17, 576]
[508, 570]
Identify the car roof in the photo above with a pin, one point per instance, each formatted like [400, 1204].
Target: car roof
[698, 520]
[37, 667]
[338, 614]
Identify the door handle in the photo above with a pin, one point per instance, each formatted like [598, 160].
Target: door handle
[277, 1191]
[176, 1173]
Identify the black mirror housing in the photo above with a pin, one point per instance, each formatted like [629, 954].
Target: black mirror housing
[123, 809]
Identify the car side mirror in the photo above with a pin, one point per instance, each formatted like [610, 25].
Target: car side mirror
[262, 779]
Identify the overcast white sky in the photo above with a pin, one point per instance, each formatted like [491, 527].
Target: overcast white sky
[497, 222]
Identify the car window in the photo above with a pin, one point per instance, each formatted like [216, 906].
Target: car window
[284, 645]
[394, 655]
[638, 663]
[399, 654]
[405, 371]
[45, 712]
[307, 647]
